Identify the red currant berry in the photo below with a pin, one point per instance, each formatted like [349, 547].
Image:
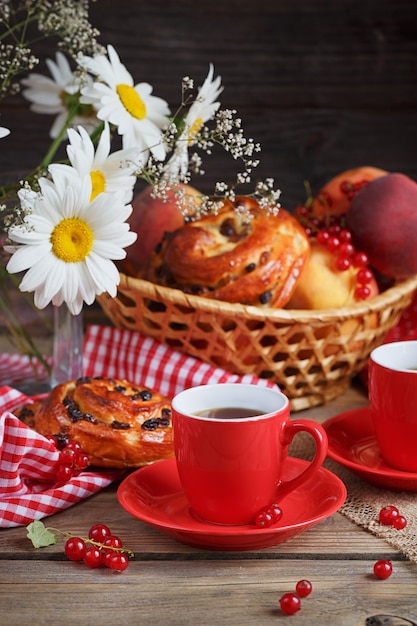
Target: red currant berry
[316, 222]
[304, 588]
[74, 548]
[346, 249]
[399, 522]
[99, 532]
[323, 237]
[361, 184]
[63, 474]
[117, 561]
[275, 512]
[335, 229]
[387, 515]
[346, 187]
[343, 263]
[383, 569]
[362, 292]
[345, 235]
[325, 199]
[112, 542]
[290, 603]
[364, 276]
[73, 445]
[67, 456]
[107, 554]
[263, 519]
[360, 259]
[333, 242]
[302, 210]
[81, 462]
[93, 557]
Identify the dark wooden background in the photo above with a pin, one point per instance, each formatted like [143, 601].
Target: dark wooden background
[324, 85]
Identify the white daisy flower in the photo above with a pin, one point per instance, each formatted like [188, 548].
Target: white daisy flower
[202, 109]
[4, 132]
[67, 244]
[139, 116]
[57, 95]
[108, 172]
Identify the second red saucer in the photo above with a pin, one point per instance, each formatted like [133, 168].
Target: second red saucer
[352, 443]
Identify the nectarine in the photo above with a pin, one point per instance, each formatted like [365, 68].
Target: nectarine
[383, 220]
[322, 286]
[336, 195]
[151, 218]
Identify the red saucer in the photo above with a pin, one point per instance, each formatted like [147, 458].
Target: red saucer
[352, 443]
[153, 494]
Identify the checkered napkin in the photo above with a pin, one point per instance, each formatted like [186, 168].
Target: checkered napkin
[27, 471]
[28, 460]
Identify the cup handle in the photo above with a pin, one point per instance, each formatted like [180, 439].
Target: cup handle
[319, 435]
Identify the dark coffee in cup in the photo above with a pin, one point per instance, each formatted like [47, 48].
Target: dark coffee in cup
[228, 413]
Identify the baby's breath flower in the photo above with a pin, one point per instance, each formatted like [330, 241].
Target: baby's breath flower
[201, 110]
[187, 83]
[69, 221]
[67, 19]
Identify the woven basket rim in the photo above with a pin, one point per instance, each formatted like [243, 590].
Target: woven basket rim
[376, 303]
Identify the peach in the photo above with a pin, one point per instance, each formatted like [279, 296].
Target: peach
[151, 217]
[383, 220]
[335, 196]
[322, 286]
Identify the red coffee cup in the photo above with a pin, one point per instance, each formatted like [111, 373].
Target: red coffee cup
[231, 442]
[393, 400]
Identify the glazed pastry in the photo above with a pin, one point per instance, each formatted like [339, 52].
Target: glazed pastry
[228, 256]
[118, 424]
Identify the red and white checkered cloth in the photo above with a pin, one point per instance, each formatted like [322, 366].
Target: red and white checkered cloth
[27, 460]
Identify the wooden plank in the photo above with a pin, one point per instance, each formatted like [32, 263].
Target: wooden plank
[203, 593]
[323, 86]
[331, 538]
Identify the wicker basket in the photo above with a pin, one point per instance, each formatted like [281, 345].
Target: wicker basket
[311, 355]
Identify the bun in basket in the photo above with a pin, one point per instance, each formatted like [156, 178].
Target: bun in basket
[117, 423]
[228, 256]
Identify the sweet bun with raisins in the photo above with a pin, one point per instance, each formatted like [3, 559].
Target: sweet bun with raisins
[117, 423]
[242, 254]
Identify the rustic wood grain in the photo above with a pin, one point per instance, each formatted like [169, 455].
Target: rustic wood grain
[223, 592]
[323, 86]
[170, 584]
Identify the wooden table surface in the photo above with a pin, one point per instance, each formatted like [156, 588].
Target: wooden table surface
[170, 584]
[324, 87]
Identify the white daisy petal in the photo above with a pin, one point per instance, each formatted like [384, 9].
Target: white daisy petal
[107, 173]
[69, 244]
[47, 95]
[118, 101]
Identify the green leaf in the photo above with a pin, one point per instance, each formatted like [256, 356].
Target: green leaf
[39, 535]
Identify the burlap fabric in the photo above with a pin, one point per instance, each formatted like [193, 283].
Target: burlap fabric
[364, 501]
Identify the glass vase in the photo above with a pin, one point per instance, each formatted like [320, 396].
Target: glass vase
[67, 362]
[26, 339]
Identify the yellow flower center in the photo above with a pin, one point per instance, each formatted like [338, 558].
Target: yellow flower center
[131, 101]
[98, 181]
[194, 130]
[72, 240]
